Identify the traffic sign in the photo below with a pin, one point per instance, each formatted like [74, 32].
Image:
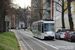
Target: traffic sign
[7, 18]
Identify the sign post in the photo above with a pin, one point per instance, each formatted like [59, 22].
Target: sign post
[6, 27]
[7, 19]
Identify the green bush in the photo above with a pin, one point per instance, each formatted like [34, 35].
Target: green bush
[36, 32]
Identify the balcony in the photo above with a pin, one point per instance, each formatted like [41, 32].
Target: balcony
[47, 15]
[48, 7]
[35, 3]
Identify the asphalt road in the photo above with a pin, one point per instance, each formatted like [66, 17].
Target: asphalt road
[31, 43]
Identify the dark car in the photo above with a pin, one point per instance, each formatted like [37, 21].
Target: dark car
[71, 36]
[67, 34]
[12, 27]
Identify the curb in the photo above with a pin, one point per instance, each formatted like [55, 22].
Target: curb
[20, 42]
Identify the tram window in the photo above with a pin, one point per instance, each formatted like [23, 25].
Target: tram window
[49, 27]
[33, 27]
[39, 27]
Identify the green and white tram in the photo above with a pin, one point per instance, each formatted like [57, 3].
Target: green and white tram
[44, 29]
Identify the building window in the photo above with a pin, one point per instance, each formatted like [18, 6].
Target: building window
[47, 5]
[47, 14]
[58, 0]
[35, 3]
[36, 11]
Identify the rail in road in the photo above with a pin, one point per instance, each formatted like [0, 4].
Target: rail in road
[32, 43]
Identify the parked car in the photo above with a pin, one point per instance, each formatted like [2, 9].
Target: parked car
[67, 34]
[61, 33]
[12, 27]
[71, 36]
[57, 33]
[16, 27]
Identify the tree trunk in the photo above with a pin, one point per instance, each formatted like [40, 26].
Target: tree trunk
[40, 14]
[63, 24]
[69, 15]
[2, 21]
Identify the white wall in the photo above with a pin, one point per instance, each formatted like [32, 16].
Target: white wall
[20, 24]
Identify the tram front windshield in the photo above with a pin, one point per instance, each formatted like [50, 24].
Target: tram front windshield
[49, 27]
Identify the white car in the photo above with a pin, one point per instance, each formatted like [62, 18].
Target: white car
[61, 33]
[16, 27]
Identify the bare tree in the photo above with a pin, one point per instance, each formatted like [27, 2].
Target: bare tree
[37, 15]
[63, 10]
[69, 15]
[39, 7]
[4, 6]
[19, 16]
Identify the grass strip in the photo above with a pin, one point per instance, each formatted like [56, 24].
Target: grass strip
[8, 42]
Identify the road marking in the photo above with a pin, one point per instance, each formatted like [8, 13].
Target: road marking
[37, 44]
[20, 42]
[26, 43]
[40, 41]
[23, 46]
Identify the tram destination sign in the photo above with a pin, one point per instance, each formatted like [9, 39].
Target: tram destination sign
[7, 18]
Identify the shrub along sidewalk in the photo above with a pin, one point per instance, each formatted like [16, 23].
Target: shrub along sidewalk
[8, 42]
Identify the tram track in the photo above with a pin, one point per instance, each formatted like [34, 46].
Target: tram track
[38, 46]
[41, 42]
[24, 42]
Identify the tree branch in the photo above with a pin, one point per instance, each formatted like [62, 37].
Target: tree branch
[65, 8]
[58, 10]
[57, 3]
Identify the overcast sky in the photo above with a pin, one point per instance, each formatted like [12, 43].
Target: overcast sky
[22, 3]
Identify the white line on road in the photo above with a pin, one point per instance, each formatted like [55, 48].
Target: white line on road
[37, 43]
[20, 42]
[23, 46]
[26, 43]
[41, 41]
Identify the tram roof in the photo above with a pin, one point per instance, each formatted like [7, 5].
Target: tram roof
[48, 20]
[45, 21]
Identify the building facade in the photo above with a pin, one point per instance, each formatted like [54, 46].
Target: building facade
[46, 9]
[49, 11]
[13, 21]
[28, 17]
[57, 15]
[36, 12]
[23, 17]
[19, 18]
